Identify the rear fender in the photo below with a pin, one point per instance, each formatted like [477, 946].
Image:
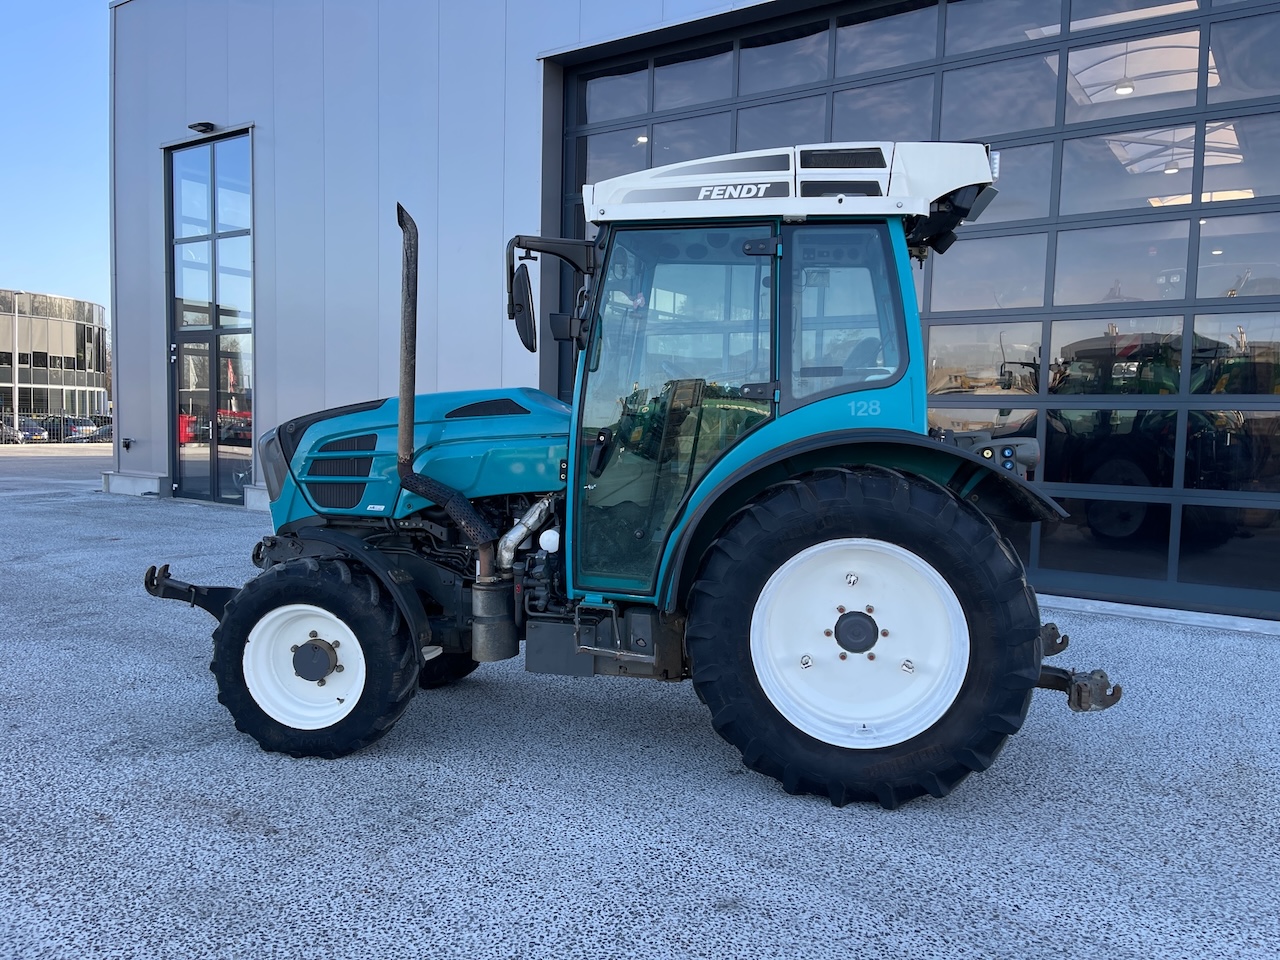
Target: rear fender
[996, 492]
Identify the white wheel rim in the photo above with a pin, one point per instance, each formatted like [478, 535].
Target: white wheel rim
[895, 691]
[282, 694]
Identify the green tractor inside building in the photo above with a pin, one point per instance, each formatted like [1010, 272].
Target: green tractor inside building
[743, 493]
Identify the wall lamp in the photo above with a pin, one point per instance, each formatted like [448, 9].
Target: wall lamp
[203, 126]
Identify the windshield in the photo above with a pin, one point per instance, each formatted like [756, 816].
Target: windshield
[683, 329]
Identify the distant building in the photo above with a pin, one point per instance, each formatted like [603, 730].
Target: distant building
[53, 356]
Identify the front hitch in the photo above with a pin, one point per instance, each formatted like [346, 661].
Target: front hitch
[1086, 692]
[213, 599]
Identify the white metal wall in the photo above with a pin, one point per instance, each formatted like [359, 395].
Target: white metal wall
[355, 105]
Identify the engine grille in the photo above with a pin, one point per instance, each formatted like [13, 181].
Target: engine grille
[341, 496]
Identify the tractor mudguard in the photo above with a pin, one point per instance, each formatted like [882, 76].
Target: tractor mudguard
[996, 492]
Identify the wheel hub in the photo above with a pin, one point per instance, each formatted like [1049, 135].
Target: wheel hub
[857, 632]
[315, 660]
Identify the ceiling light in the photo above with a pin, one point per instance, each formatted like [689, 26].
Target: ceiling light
[1171, 167]
[642, 139]
[1203, 221]
[203, 126]
[1216, 253]
[1124, 87]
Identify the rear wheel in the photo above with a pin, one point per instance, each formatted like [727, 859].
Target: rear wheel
[888, 645]
[313, 659]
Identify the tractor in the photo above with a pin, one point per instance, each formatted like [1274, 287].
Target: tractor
[743, 493]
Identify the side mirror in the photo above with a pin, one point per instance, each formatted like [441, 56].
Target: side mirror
[522, 305]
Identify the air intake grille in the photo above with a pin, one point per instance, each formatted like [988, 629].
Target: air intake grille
[864, 158]
[341, 496]
[836, 188]
[337, 496]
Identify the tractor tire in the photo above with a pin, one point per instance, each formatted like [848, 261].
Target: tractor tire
[444, 669]
[313, 659]
[863, 635]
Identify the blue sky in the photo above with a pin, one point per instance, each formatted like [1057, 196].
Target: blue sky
[54, 124]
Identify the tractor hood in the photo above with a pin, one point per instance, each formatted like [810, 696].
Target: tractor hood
[481, 443]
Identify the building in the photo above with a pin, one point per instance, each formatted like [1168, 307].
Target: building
[1120, 300]
[53, 356]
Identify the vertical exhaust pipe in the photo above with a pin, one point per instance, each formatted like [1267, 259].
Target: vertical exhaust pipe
[493, 629]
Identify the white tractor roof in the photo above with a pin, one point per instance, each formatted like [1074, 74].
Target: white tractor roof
[822, 179]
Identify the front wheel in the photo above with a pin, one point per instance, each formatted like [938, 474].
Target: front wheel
[313, 659]
[888, 645]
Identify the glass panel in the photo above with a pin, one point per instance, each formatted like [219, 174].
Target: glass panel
[691, 78]
[1233, 450]
[866, 42]
[1089, 14]
[690, 139]
[848, 326]
[1134, 76]
[191, 192]
[1126, 356]
[613, 154]
[1140, 168]
[1026, 179]
[1246, 50]
[992, 359]
[623, 92]
[1117, 538]
[1127, 448]
[192, 288]
[194, 419]
[1236, 353]
[1145, 261]
[231, 164]
[902, 110]
[1239, 256]
[1229, 546]
[783, 124]
[784, 59]
[1240, 158]
[235, 415]
[235, 282]
[684, 320]
[980, 24]
[989, 274]
[999, 97]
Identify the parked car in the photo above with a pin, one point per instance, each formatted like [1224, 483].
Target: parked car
[100, 435]
[101, 419]
[64, 428]
[32, 432]
[8, 434]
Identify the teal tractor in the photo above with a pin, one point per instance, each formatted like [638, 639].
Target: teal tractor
[743, 493]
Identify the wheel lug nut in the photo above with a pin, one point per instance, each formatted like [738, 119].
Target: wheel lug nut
[826, 633]
[839, 609]
[294, 648]
[871, 656]
[339, 667]
[870, 608]
[336, 644]
[313, 635]
[320, 682]
[843, 655]
[884, 633]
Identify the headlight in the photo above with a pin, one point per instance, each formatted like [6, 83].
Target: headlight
[274, 467]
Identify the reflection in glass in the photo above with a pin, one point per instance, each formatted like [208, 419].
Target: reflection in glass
[1247, 50]
[980, 24]
[1139, 168]
[1239, 256]
[784, 59]
[235, 415]
[194, 419]
[235, 282]
[1233, 450]
[1090, 14]
[1126, 355]
[622, 92]
[690, 139]
[989, 274]
[1236, 353]
[999, 97]
[192, 286]
[1026, 176]
[1229, 546]
[991, 359]
[1134, 76]
[231, 170]
[613, 154]
[1118, 538]
[191, 191]
[1122, 264]
[1240, 158]
[690, 78]
[782, 124]
[901, 110]
[1127, 448]
[867, 42]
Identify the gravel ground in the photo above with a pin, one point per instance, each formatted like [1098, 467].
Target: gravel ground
[516, 815]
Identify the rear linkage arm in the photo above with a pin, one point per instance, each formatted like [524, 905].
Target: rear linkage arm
[213, 599]
[1086, 692]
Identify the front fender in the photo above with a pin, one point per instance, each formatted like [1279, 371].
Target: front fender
[996, 492]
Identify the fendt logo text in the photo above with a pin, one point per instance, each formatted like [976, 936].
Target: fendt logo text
[732, 191]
